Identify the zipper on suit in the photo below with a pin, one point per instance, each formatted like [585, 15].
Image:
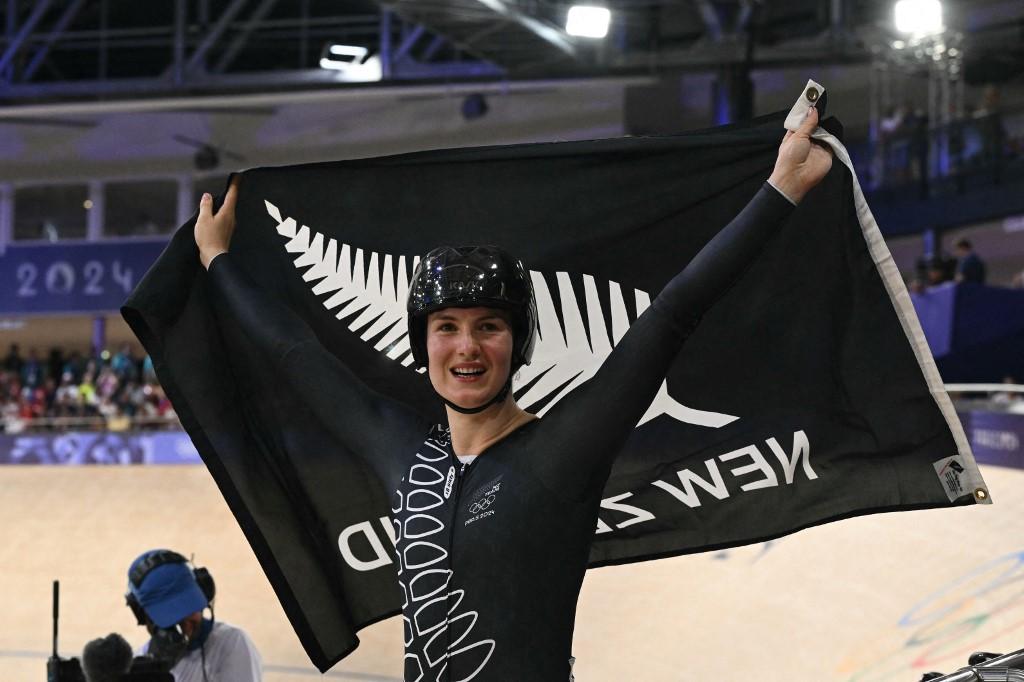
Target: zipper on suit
[456, 498]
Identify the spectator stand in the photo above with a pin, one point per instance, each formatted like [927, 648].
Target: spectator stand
[69, 409]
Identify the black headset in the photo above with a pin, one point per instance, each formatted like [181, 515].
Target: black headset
[159, 558]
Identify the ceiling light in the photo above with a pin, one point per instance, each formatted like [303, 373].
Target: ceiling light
[588, 22]
[356, 52]
[352, 62]
[919, 17]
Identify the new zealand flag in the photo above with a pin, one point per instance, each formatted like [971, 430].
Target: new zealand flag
[806, 395]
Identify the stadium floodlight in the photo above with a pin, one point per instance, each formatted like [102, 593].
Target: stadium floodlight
[588, 22]
[919, 17]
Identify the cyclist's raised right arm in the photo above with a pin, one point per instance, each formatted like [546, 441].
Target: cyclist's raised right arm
[375, 428]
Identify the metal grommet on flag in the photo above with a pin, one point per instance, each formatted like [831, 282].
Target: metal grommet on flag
[981, 494]
[813, 95]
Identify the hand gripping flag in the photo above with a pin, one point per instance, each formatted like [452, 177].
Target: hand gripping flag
[806, 395]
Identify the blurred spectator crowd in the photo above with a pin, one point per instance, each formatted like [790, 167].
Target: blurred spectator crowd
[965, 266]
[911, 150]
[110, 391]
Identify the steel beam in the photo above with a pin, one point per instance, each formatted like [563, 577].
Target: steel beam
[385, 44]
[104, 52]
[712, 55]
[26, 29]
[494, 27]
[94, 218]
[186, 198]
[402, 51]
[436, 44]
[178, 58]
[411, 70]
[745, 15]
[213, 35]
[239, 42]
[58, 28]
[6, 215]
[9, 30]
[553, 36]
[708, 57]
[219, 100]
[835, 16]
[712, 22]
[237, 83]
[304, 33]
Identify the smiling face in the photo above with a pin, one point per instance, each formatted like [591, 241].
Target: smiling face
[470, 353]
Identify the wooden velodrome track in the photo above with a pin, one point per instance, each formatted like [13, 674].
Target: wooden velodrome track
[885, 597]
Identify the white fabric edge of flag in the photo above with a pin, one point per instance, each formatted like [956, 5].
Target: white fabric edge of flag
[900, 298]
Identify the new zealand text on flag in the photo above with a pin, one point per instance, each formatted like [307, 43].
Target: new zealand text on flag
[806, 395]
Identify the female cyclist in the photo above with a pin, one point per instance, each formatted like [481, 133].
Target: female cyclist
[494, 512]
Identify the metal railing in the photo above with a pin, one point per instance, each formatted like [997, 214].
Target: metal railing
[943, 158]
[92, 423]
[988, 397]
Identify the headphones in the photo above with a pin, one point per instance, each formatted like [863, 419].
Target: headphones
[159, 558]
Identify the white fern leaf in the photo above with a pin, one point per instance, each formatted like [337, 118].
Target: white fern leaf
[565, 362]
[663, 403]
[373, 294]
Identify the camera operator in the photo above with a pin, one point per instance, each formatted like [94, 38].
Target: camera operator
[109, 659]
[168, 596]
[106, 659]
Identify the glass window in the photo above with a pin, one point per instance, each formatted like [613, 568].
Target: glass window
[140, 208]
[51, 212]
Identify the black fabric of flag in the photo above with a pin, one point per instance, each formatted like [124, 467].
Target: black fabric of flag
[811, 395]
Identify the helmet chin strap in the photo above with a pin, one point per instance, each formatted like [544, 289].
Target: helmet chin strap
[498, 398]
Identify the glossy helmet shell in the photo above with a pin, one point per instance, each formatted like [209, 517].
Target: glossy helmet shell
[467, 277]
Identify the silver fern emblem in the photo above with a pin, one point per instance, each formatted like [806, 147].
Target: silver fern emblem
[561, 361]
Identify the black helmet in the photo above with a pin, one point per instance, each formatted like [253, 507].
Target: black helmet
[467, 277]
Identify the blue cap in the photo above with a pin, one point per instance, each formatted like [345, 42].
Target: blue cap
[168, 593]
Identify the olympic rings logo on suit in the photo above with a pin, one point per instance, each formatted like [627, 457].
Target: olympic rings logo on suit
[481, 505]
